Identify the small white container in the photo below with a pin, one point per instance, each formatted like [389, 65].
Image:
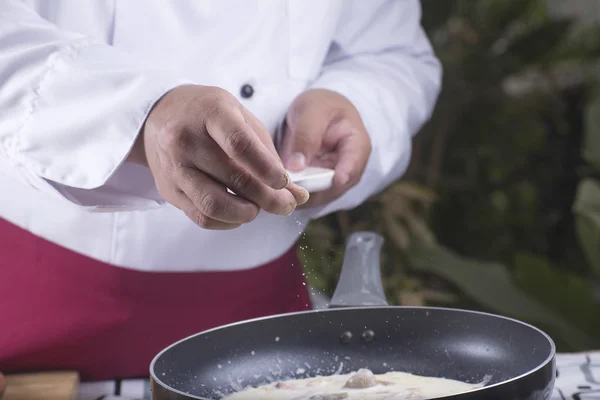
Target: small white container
[313, 179]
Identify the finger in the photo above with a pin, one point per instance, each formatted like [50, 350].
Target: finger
[244, 184]
[303, 135]
[240, 142]
[180, 200]
[353, 152]
[202, 220]
[213, 200]
[349, 155]
[261, 132]
[223, 169]
[326, 160]
[300, 194]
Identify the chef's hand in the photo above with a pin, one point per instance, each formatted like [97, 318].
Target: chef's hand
[323, 129]
[198, 141]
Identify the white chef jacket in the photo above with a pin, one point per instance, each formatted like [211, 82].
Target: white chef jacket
[78, 77]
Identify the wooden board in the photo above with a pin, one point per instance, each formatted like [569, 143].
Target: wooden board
[42, 386]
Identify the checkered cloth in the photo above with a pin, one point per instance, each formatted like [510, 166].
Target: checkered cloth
[578, 379]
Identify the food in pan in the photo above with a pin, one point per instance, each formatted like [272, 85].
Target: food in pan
[362, 384]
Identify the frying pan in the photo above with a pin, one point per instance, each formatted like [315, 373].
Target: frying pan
[360, 330]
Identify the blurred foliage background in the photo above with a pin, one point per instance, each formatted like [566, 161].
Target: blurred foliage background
[500, 208]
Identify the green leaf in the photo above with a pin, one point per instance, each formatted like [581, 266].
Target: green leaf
[491, 286]
[569, 294]
[587, 220]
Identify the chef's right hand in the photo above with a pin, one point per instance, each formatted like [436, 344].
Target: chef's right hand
[198, 141]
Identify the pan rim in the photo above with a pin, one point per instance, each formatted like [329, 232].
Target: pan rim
[548, 360]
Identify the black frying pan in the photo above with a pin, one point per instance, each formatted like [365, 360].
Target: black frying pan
[437, 342]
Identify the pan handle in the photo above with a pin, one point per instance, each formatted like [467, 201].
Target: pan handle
[360, 280]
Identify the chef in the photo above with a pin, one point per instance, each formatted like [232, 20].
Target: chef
[124, 123]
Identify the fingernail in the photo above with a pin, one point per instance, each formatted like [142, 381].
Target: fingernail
[283, 182]
[288, 209]
[302, 195]
[297, 162]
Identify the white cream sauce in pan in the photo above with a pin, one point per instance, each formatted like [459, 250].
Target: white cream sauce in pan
[363, 385]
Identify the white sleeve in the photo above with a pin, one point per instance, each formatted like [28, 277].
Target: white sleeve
[70, 110]
[382, 61]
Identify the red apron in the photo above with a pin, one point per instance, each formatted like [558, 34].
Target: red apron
[63, 310]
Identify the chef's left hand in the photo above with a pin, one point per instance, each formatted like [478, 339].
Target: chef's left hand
[323, 129]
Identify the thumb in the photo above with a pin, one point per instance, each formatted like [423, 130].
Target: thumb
[302, 136]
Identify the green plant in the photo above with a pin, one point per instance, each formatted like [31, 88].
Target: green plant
[483, 178]
[587, 205]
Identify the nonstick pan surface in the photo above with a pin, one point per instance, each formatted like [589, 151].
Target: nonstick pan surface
[438, 342]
